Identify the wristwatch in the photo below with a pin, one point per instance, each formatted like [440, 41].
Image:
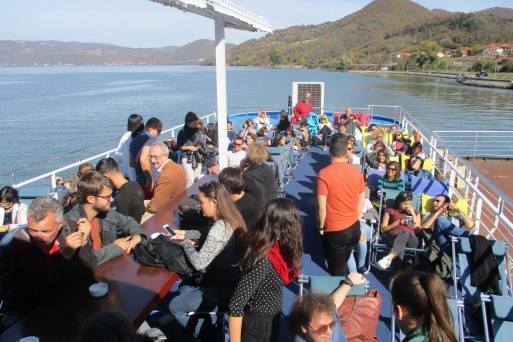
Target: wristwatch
[320, 229]
[347, 281]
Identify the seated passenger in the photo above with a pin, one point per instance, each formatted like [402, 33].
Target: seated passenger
[371, 128]
[304, 136]
[128, 195]
[235, 181]
[12, 212]
[250, 138]
[171, 182]
[367, 214]
[314, 317]
[398, 225]
[349, 124]
[284, 122]
[248, 128]
[112, 234]
[262, 120]
[211, 139]
[378, 160]
[280, 140]
[378, 137]
[49, 257]
[418, 150]
[212, 166]
[392, 179]
[271, 260]
[419, 301]
[414, 168]
[217, 261]
[400, 145]
[325, 129]
[71, 184]
[260, 178]
[263, 138]
[441, 221]
[352, 158]
[237, 154]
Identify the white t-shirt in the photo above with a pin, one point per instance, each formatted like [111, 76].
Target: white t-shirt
[234, 158]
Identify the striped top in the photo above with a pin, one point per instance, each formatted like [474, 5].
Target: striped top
[390, 185]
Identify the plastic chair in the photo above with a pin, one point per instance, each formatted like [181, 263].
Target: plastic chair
[429, 187]
[328, 284]
[501, 313]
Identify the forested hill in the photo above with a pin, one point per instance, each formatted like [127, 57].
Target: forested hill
[375, 34]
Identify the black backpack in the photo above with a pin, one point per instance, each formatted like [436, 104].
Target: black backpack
[189, 211]
[163, 252]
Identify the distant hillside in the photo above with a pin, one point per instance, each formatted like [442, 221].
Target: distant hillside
[28, 53]
[372, 35]
[503, 12]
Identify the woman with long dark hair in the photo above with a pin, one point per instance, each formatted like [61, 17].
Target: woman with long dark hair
[420, 304]
[271, 259]
[187, 141]
[135, 126]
[398, 225]
[392, 179]
[217, 259]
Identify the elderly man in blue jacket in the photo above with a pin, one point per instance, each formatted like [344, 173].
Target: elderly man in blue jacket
[112, 234]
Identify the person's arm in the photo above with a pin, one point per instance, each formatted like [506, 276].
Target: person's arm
[385, 226]
[468, 223]
[430, 220]
[216, 240]
[341, 292]
[235, 328]
[321, 212]
[144, 159]
[361, 201]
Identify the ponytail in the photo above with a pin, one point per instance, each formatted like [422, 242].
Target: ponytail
[423, 295]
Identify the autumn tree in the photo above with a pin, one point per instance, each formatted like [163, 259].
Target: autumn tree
[427, 54]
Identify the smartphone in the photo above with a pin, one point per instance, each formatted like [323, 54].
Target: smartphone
[409, 218]
[168, 229]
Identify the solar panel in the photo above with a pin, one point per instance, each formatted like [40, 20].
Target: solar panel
[316, 90]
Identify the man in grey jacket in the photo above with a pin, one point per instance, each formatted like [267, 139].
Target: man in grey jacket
[111, 233]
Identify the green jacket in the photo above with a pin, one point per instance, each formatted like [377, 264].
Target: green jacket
[417, 335]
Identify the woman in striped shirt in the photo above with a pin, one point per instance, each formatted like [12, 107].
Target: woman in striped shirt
[392, 179]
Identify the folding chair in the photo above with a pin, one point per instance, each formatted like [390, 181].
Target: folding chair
[429, 187]
[328, 284]
[501, 313]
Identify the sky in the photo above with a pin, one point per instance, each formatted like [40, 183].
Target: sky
[143, 23]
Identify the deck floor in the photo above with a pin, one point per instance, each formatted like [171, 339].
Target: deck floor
[497, 171]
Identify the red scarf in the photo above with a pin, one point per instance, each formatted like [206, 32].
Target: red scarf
[274, 255]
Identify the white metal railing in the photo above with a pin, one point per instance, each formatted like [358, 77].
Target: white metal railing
[69, 161]
[488, 205]
[479, 144]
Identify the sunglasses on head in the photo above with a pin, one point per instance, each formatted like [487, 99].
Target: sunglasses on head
[323, 329]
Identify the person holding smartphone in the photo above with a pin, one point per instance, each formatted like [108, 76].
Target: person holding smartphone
[398, 225]
[447, 220]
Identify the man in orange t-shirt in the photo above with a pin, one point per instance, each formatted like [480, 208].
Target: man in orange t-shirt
[340, 198]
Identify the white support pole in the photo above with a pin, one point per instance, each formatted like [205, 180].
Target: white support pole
[222, 110]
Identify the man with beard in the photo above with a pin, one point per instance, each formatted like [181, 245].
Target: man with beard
[111, 233]
[47, 258]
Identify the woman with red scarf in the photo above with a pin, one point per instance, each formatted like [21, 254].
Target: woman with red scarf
[271, 260]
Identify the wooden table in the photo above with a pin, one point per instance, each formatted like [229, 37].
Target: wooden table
[133, 289]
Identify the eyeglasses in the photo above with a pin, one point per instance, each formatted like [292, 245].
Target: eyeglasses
[107, 198]
[398, 134]
[323, 329]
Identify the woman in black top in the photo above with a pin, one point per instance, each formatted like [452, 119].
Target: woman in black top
[272, 259]
[187, 141]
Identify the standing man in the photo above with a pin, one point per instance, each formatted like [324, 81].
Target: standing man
[236, 155]
[111, 233]
[128, 196]
[301, 110]
[340, 199]
[47, 258]
[140, 155]
[172, 180]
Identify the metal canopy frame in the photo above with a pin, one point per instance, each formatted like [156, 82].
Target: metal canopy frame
[225, 14]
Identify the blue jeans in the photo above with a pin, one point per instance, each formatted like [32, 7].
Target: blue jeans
[443, 229]
[361, 249]
[203, 298]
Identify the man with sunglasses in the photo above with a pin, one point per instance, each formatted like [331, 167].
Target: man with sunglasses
[112, 234]
[236, 155]
[301, 110]
[314, 317]
[447, 220]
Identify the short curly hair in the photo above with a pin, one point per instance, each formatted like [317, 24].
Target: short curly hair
[305, 309]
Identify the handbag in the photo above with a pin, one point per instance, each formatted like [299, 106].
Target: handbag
[163, 252]
[359, 316]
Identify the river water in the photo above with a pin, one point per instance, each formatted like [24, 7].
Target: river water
[45, 111]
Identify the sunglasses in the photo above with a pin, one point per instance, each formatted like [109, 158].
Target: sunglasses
[237, 144]
[391, 169]
[438, 201]
[323, 329]
[398, 135]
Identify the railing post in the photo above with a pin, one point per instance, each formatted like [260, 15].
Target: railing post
[500, 209]
[467, 180]
[78, 156]
[13, 176]
[478, 214]
[475, 146]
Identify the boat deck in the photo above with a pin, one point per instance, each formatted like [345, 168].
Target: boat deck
[302, 189]
[497, 171]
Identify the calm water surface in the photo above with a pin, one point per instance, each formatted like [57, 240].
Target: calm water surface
[49, 111]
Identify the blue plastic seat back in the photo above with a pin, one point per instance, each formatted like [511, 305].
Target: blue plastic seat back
[502, 318]
[328, 284]
[431, 188]
[471, 294]
[373, 175]
[391, 195]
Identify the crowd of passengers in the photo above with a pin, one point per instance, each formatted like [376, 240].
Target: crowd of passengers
[254, 245]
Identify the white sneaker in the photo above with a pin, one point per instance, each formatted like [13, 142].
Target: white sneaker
[384, 263]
